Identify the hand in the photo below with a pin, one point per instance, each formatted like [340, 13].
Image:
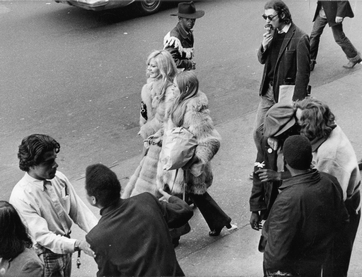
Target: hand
[255, 221]
[85, 247]
[273, 143]
[268, 175]
[165, 196]
[267, 38]
[339, 19]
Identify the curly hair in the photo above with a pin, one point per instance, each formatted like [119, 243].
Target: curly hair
[281, 8]
[317, 120]
[102, 183]
[33, 147]
[14, 237]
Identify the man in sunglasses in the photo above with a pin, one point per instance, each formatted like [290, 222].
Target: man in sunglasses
[285, 54]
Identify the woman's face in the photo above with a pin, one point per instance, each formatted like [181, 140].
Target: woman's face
[298, 115]
[175, 88]
[153, 69]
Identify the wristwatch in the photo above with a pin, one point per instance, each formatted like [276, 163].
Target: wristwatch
[76, 245]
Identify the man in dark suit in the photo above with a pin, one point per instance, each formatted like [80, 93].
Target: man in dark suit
[284, 52]
[132, 237]
[333, 13]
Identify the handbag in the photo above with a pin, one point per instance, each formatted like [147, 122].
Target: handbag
[178, 147]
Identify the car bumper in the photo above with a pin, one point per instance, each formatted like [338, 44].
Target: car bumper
[96, 5]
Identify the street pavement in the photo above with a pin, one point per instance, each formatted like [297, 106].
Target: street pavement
[235, 253]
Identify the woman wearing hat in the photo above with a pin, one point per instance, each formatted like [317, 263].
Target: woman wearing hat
[180, 41]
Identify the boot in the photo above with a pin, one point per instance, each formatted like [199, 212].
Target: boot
[353, 61]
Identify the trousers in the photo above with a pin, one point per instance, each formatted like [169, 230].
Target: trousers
[339, 37]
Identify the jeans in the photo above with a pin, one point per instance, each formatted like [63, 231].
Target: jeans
[266, 102]
[56, 265]
[338, 35]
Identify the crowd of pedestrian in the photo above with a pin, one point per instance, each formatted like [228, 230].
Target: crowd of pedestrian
[305, 195]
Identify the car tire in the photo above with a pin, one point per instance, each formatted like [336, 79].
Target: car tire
[147, 7]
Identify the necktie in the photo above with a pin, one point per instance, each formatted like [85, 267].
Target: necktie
[48, 187]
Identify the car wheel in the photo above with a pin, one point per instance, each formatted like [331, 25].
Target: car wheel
[149, 6]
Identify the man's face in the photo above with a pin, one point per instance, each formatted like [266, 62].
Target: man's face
[187, 23]
[272, 18]
[47, 167]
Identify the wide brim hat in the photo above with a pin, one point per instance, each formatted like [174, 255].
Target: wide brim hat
[188, 10]
[279, 118]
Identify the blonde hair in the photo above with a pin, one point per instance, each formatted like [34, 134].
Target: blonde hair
[188, 84]
[165, 65]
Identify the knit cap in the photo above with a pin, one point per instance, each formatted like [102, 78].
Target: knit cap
[297, 152]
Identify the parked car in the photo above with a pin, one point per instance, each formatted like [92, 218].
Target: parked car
[144, 6]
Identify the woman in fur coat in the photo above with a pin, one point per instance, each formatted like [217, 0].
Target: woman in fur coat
[161, 69]
[189, 109]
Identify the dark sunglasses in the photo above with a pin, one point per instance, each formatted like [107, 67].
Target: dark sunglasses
[270, 17]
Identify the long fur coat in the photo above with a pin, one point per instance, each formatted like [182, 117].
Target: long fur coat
[197, 177]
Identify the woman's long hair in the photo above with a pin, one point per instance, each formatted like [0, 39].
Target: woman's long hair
[13, 233]
[166, 66]
[317, 120]
[188, 85]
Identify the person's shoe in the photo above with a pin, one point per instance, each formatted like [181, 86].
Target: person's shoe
[351, 64]
[360, 164]
[215, 232]
[312, 65]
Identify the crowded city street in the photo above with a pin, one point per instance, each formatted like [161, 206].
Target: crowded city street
[77, 75]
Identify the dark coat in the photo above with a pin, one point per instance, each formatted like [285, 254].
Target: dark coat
[302, 224]
[180, 44]
[334, 8]
[293, 62]
[132, 237]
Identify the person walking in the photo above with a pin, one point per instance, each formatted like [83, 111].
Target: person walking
[48, 204]
[17, 256]
[333, 13]
[132, 236]
[284, 52]
[305, 217]
[180, 40]
[189, 109]
[333, 153]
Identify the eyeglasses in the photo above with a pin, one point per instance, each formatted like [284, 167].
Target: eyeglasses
[270, 17]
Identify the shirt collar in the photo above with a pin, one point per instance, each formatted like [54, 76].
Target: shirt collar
[37, 183]
[285, 29]
[182, 31]
[310, 176]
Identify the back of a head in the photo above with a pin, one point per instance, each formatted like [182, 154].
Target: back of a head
[297, 152]
[32, 149]
[13, 233]
[102, 183]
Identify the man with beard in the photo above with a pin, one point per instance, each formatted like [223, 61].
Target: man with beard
[48, 204]
[180, 41]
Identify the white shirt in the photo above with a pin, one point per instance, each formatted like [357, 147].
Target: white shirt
[49, 213]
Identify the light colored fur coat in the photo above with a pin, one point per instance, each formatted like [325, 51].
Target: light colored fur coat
[198, 177]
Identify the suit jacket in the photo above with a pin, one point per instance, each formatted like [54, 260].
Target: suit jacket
[333, 9]
[293, 62]
[132, 237]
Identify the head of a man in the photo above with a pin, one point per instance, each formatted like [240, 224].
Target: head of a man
[297, 152]
[187, 15]
[277, 14]
[37, 155]
[102, 185]
[279, 119]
